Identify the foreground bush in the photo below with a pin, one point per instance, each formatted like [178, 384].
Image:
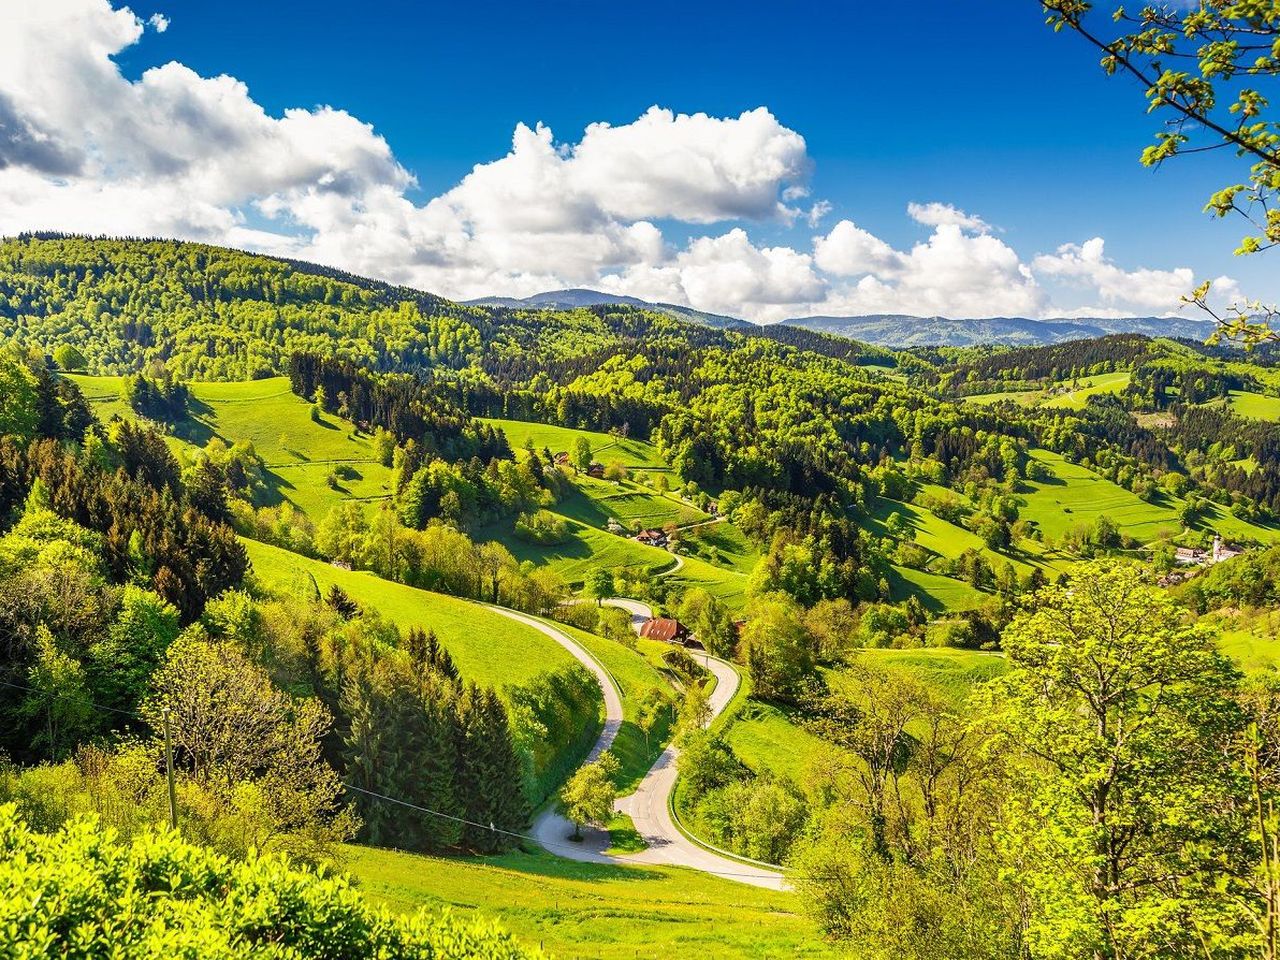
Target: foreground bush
[81, 892]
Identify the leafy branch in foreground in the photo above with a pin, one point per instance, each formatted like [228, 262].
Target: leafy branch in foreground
[1205, 67]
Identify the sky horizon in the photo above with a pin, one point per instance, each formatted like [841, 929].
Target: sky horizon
[739, 160]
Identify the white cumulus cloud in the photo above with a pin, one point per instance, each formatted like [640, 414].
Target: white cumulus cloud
[1086, 265]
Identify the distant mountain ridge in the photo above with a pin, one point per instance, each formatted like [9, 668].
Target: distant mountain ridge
[895, 330]
[890, 330]
[579, 297]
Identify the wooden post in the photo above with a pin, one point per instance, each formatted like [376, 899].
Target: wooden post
[168, 765]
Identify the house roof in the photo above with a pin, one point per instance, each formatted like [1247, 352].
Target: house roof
[663, 628]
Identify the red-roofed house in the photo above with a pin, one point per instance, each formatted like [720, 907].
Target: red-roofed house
[665, 629]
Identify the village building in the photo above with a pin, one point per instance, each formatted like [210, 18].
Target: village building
[595, 470]
[652, 537]
[1195, 557]
[667, 630]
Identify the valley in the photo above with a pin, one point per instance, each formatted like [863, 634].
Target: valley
[663, 591]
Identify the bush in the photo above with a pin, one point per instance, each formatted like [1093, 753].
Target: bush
[542, 527]
[82, 892]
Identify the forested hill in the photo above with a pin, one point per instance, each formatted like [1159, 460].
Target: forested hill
[216, 314]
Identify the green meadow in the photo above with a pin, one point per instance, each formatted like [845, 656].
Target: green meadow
[1074, 494]
[936, 592]
[488, 647]
[1061, 394]
[1259, 406]
[605, 447]
[299, 453]
[577, 911]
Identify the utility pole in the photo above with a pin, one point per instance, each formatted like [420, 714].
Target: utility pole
[168, 769]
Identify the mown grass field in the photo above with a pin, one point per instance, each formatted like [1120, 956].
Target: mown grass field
[594, 502]
[1059, 394]
[577, 910]
[936, 592]
[1256, 405]
[1252, 650]
[767, 740]
[1075, 399]
[299, 453]
[946, 669]
[488, 648]
[605, 447]
[1075, 494]
[726, 584]
[721, 544]
[585, 549]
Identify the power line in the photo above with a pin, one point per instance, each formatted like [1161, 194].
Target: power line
[616, 861]
[547, 844]
[66, 696]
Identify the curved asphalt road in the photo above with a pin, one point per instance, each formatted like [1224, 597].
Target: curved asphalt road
[649, 807]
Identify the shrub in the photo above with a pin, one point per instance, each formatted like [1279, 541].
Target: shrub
[82, 892]
[542, 527]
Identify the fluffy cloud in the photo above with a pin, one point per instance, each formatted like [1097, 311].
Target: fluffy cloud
[955, 272]
[83, 148]
[1086, 264]
[944, 214]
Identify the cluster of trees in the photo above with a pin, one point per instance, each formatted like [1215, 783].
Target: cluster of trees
[1030, 368]
[438, 557]
[1111, 792]
[402, 404]
[162, 398]
[412, 703]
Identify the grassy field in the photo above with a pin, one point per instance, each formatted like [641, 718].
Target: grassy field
[766, 739]
[1251, 650]
[594, 502]
[299, 452]
[940, 536]
[577, 910]
[729, 585]
[1059, 394]
[1089, 386]
[721, 544]
[937, 593]
[586, 549]
[1256, 405]
[488, 647]
[605, 447]
[1076, 494]
[946, 669]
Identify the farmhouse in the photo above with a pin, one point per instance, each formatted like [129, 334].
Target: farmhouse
[562, 458]
[665, 629]
[654, 538]
[1194, 557]
[595, 470]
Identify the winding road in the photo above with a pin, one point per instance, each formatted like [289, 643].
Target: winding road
[650, 805]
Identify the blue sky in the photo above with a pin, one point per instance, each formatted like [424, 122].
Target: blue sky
[975, 106]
